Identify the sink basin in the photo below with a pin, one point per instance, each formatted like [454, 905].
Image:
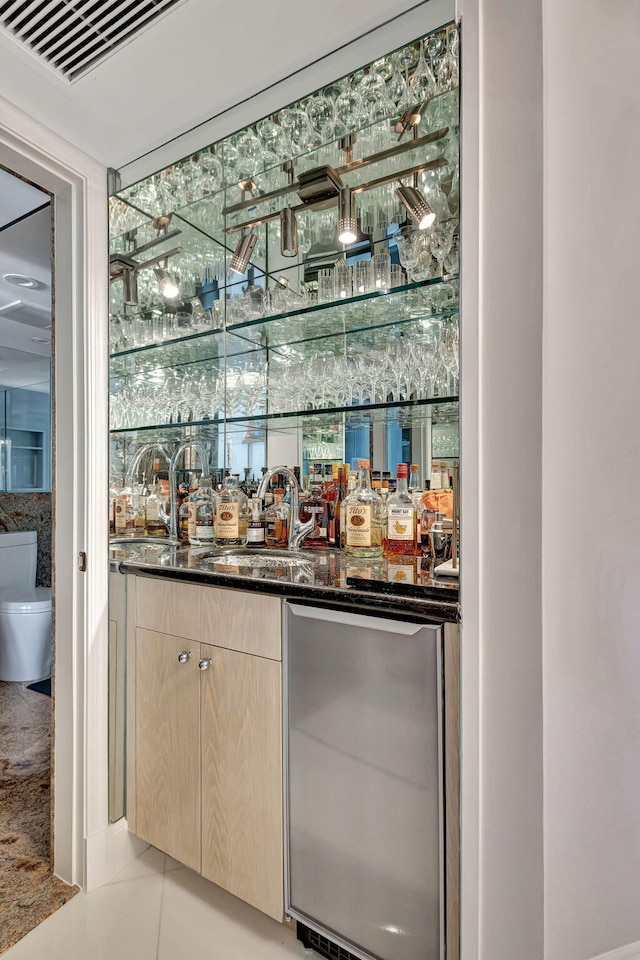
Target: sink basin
[267, 559]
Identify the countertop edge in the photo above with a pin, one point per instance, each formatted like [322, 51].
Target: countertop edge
[427, 607]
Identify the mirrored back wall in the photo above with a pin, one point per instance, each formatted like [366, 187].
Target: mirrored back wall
[370, 45]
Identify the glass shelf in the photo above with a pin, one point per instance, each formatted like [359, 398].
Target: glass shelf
[411, 303]
[270, 176]
[441, 409]
[227, 374]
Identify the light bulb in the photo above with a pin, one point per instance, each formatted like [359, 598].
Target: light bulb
[415, 202]
[347, 223]
[169, 287]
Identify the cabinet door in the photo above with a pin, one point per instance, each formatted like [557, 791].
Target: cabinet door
[168, 745]
[242, 777]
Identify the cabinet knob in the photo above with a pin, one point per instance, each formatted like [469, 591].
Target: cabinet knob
[183, 656]
[205, 664]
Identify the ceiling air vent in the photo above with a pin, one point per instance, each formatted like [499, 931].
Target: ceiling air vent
[73, 36]
[28, 313]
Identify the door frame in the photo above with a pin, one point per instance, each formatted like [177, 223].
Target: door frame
[80, 427]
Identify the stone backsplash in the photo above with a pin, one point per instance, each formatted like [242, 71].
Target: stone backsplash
[30, 511]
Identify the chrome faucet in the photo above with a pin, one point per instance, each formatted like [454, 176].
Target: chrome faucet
[297, 530]
[173, 480]
[132, 475]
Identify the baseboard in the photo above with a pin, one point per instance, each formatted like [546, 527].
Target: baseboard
[629, 952]
[108, 852]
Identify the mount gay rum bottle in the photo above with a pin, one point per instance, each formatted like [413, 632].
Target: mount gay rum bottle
[401, 519]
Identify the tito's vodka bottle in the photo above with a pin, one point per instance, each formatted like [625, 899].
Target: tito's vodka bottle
[231, 515]
[364, 518]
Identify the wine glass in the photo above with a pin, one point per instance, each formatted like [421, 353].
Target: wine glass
[297, 128]
[212, 170]
[451, 261]
[423, 82]
[321, 112]
[441, 240]
[447, 72]
[398, 90]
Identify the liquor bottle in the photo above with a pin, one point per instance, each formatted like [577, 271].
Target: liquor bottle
[352, 483]
[155, 526]
[131, 512]
[364, 517]
[277, 520]
[334, 497]
[121, 507]
[436, 475]
[256, 526]
[183, 521]
[401, 519]
[414, 479]
[200, 513]
[231, 515]
[316, 507]
[115, 490]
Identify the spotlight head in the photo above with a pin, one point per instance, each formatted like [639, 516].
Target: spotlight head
[347, 222]
[288, 233]
[130, 283]
[169, 288]
[415, 203]
[242, 253]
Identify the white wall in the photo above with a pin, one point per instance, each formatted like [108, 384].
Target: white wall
[591, 541]
[510, 368]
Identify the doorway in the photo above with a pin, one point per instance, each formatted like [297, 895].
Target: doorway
[82, 841]
[30, 890]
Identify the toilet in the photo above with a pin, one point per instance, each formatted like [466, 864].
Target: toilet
[25, 611]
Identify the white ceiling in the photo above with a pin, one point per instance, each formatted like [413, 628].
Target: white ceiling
[25, 248]
[201, 58]
[17, 198]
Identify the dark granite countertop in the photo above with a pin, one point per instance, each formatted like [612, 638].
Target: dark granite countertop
[403, 585]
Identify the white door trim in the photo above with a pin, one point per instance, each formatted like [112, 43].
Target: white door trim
[80, 513]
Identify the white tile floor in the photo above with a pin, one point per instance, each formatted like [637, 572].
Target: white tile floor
[158, 910]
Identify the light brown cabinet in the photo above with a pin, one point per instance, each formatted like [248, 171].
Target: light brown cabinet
[168, 745]
[205, 774]
[240, 704]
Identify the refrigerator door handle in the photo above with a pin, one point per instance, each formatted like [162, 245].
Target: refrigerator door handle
[327, 614]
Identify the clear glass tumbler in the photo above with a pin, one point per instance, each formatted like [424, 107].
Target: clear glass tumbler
[382, 271]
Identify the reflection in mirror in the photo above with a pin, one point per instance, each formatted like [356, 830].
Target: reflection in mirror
[25, 426]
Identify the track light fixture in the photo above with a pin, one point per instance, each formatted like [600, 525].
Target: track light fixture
[130, 285]
[347, 223]
[416, 204]
[288, 233]
[242, 253]
[169, 287]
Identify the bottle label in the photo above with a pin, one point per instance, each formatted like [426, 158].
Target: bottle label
[399, 523]
[318, 513]
[153, 509]
[193, 509]
[120, 507]
[401, 573]
[255, 534]
[358, 517]
[227, 521]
